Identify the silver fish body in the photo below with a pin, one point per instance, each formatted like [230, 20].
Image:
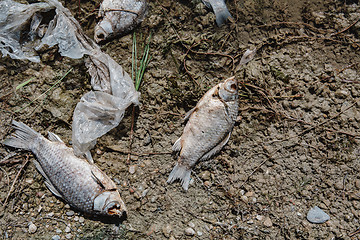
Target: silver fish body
[119, 17]
[81, 184]
[221, 11]
[207, 130]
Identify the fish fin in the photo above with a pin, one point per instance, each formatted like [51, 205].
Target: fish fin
[97, 180]
[23, 136]
[188, 114]
[182, 173]
[177, 145]
[40, 170]
[222, 16]
[216, 149]
[221, 11]
[89, 157]
[47, 180]
[54, 138]
[102, 180]
[52, 189]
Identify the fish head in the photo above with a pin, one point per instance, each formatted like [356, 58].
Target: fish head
[103, 30]
[109, 203]
[228, 90]
[117, 18]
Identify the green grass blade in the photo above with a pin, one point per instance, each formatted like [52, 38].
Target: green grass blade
[44, 93]
[133, 56]
[23, 84]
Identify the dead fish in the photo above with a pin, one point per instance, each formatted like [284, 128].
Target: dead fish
[208, 129]
[81, 184]
[119, 17]
[221, 11]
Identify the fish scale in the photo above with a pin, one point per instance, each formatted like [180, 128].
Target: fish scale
[57, 165]
[81, 184]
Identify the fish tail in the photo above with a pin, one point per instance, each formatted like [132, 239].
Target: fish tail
[23, 137]
[222, 15]
[220, 9]
[182, 173]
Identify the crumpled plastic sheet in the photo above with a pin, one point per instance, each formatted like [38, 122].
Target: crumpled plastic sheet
[14, 17]
[98, 111]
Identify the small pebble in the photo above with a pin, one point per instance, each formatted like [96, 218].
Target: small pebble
[67, 206]
[244, 199]
[132, 169]
[199, 233]
[81, 220]
[58, 231]
[189, 231]
[50, 214]
[76, 218]
[167, 230]
[316, 215]
[55, 237]
[267, 222]
[32, 228]
[29, 180]
[191, 224]
[357, 183]
[205, 175]
[259, 217]
[67, 229]
[68, 236]
[354, 196]
[249, 194]
[40, 194]
[70, 213]
[339, 185]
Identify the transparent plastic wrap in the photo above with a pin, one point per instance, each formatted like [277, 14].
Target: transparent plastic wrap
[14, 19]
[98, 111]
[95, 114]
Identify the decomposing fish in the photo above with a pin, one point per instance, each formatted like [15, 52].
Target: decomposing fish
[81, 184]
[221, 11]
[208, 129]
[119, 17]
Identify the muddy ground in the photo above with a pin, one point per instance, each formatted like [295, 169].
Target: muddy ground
[295, 145]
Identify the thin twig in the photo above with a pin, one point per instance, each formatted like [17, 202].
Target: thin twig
[131, 134]
[252, 173]
[184, 62]
[293, 23]
[345, 29]
[137, 154]
[13, 184]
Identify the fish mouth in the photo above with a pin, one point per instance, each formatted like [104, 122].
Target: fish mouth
[103, 30]
[231, 85]
[115, 209]
[100, 35]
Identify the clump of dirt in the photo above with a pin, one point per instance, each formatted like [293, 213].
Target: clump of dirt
[294, 147]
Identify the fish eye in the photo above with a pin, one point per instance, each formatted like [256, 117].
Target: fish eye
[233, 86]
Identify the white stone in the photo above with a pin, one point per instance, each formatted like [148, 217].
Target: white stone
[190, 232]
[316, 215]
[32, 228]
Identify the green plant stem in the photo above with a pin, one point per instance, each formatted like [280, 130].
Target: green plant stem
[56, 83]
